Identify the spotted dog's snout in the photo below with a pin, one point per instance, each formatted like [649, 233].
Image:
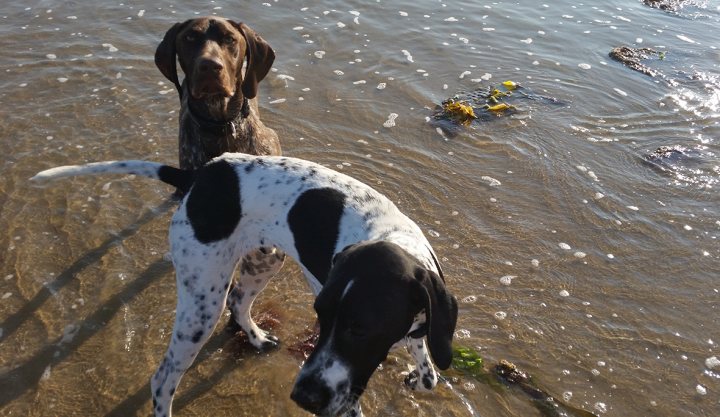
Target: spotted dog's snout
[311, 394]
[323, 385]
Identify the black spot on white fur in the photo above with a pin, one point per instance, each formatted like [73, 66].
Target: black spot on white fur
[314, 221]
[213, 206]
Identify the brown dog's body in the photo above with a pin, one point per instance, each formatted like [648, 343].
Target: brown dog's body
[219, 112]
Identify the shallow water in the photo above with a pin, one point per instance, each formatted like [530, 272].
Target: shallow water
[574, 258]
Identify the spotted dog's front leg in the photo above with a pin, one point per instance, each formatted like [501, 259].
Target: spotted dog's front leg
[354, 411]
[201, 290]
[423, 377]
[256, 269]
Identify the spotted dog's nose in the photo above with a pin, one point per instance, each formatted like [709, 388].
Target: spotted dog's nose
[311, 395]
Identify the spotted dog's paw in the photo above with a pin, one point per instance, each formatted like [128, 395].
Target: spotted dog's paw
[271, 343]
[263, 341]
[417, 382]
[354, 411]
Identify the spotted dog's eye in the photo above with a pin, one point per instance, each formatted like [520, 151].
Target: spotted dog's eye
[228, 40]
[190, 37]
[356, 331]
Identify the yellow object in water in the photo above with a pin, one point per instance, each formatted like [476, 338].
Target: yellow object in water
[459, 110]
[500, 107]
[510, 85]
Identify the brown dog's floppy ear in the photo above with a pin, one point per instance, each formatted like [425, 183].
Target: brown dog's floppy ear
[260, 57]
[166, 55]
[441, 311]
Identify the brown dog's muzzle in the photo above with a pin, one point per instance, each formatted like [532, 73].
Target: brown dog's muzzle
[213, 74]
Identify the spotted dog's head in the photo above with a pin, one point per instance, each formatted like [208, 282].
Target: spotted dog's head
[211, 51]
[373, 293]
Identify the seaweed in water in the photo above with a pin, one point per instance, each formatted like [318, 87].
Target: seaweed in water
[470, 363]
[631, 57]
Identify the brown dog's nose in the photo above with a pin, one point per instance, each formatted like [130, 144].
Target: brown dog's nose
[210, 65]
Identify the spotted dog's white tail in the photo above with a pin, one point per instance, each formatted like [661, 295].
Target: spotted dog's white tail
[170, 175]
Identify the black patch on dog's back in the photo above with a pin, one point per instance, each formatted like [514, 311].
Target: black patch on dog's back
[213, 205]
[314, 221]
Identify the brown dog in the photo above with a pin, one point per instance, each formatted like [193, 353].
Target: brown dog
[218, 110]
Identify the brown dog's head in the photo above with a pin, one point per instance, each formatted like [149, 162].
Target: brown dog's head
[211, 51]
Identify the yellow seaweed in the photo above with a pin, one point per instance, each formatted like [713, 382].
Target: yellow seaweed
[459, 110]
[500, 107]
[510, 85]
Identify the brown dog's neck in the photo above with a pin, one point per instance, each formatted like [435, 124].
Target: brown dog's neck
[214, 111]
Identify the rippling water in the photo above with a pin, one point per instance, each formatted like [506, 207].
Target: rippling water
[577, 255]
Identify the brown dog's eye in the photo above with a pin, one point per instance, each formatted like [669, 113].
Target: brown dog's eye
[229, 40]
[190, 37]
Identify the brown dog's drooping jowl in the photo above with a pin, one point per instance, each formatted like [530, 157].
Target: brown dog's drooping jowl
[218, 112]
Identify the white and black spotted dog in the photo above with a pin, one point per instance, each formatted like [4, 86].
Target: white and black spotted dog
[375, 275]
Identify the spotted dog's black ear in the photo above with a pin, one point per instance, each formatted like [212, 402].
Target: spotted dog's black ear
[337, 255]
[260, 57]
[441, 311]
[166, 54]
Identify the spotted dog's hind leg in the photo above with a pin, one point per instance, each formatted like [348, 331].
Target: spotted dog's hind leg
[256, 269]
[202, 287]
[423, 377]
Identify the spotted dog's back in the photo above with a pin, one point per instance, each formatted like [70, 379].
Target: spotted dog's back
[310, 211]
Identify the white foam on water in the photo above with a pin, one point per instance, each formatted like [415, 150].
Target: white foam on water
[469, 299]
[381, 86]
[462, 334]
[685, 38]
[564, 293]
[407, 54]
[712, 362]
[277, 101]
[564, 246]
[579, 254]
[110, 47]
[491, 181]
[500, 315]
[527, 41]
[451, 19]
[319, 54]
[507, 279]
[390, 122]
[585, 66]
[464, 73]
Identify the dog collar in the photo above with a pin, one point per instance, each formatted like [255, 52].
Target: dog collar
[205, 122]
